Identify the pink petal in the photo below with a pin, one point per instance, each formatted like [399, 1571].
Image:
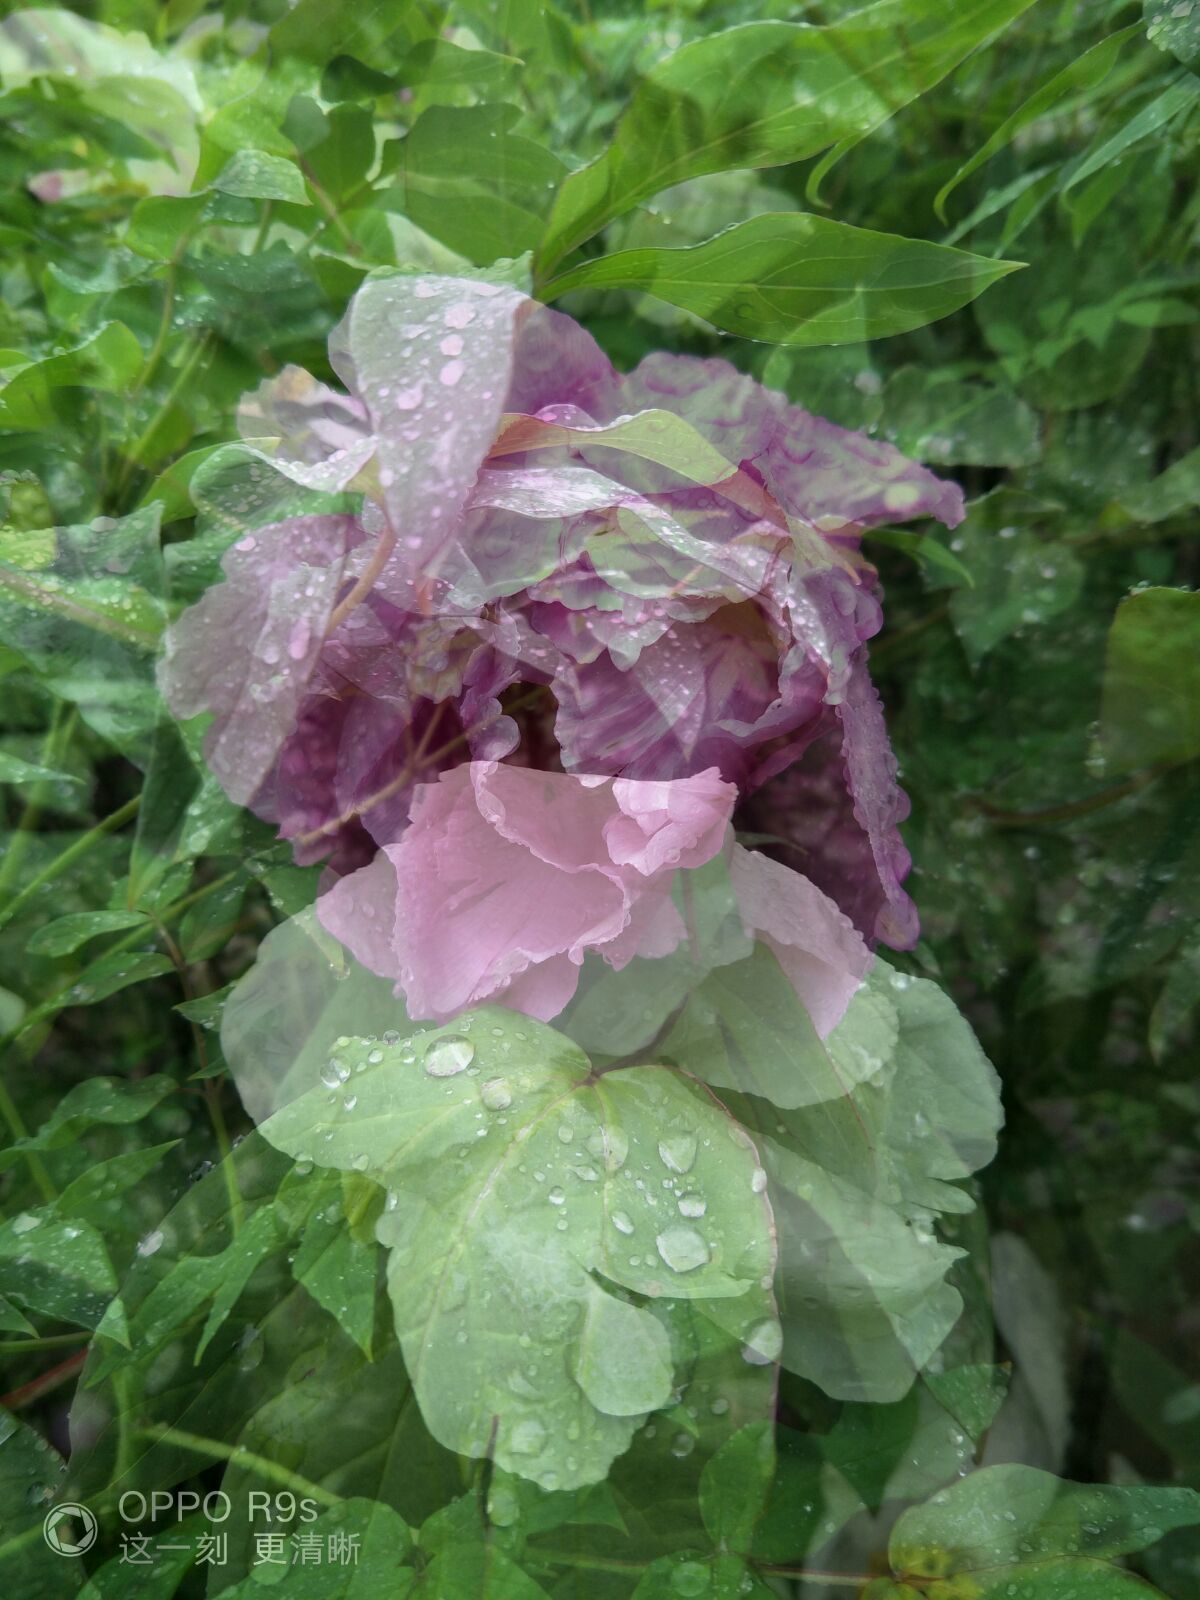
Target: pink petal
[360, 910]
[505, 879]
[818, 947]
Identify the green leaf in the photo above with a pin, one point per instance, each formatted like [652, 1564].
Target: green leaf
[473, 183]
[906, 1450]
[14, 770]
[108, 1101]
[514, 1181]
[1020, 579]
[108, 360]
[160, 225]
[11, 1320]
[172, 782]
[1017, 1525]
[1151, 704]
[64, 935]
[1178, 999]
[172, 488]
[1177, 98]
[339, 1270]
[123, 1577]
[721, 1577]
[475, 1569]
[764, 94]
[1174, 27]
[1086, 73]
[31, 1472]
[109, 974]
[365, 1554]
[210, 924]
[56, 1266]
[942, 565]
[797, 279]
[193, 1282]
[744, 1027]
[320, 30]
[944, 422]
[105, 1180]
[735, 1486]
[88, 623]
[256, 175]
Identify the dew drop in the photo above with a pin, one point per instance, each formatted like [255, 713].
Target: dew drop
[677, 1152]
[527, 1437]
[682, 1248]
[496, 1094]
[764, 1344]
[449, 1056]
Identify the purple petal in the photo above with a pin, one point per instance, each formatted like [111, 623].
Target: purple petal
[733, 412]
[246, 651]
[432, 359]
[824, 473]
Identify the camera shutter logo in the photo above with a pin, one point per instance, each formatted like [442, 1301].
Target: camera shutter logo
[70, 1529]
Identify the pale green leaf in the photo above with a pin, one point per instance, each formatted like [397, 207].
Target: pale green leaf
[257, 175]
[516, 1183]
[1005, 1520]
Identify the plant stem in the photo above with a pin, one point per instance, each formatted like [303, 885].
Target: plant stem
[62, 724]
[69, 856]
[37, 1387]
[53, 1341]
[16, 1126]
[238, 1456]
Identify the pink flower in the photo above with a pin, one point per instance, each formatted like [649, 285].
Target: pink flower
[673, 554]
[506, 877]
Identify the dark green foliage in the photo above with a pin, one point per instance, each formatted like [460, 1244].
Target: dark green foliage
[193, 191]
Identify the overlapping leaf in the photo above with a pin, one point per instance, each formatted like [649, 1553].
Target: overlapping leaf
[531, 1209]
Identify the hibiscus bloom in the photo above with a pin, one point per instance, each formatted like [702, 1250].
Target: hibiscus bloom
[670, 557]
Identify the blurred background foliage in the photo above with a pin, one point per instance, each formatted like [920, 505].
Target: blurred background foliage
[190, 199]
